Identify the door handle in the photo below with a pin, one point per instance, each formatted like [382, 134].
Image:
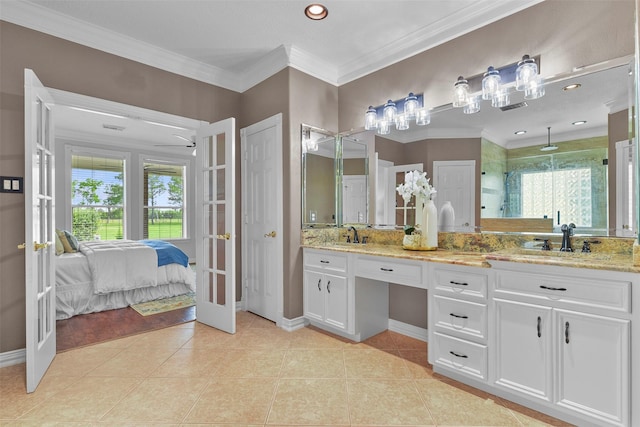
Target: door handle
[225, 236]
[272, 234]
[36, 246]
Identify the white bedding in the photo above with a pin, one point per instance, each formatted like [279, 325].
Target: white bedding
[120, 265]
[75, 292]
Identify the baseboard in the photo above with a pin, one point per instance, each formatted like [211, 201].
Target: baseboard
[408, 330]
[291, 325]
[14, 357]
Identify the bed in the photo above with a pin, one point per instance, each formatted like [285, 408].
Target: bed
[105, 275]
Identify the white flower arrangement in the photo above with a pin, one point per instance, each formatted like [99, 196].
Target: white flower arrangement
[416, 184]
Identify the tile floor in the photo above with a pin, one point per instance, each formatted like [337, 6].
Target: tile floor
[194, 375]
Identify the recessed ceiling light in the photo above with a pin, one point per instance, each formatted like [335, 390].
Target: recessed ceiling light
[572, 86]
[520, 132]
[316, 11]
[579, 122]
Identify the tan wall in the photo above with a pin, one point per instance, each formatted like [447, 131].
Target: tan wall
[566, 34]
[71, 67]
[315, 103]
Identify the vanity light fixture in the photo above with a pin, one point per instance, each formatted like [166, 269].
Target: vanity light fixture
[549, 147]
[316, 11]
[526, 72]
[399, 113]
[579, 122]
[473, 106]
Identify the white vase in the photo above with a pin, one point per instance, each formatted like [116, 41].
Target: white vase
[429, 226]
[447, 217]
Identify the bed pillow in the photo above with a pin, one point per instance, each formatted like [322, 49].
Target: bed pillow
[73, 242]
[64, 241]
[59, 247]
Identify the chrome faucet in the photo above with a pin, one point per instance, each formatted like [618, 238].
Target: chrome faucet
[567, 232]
[355, 234]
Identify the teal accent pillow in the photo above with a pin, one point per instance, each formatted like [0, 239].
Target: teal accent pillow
[73, 242]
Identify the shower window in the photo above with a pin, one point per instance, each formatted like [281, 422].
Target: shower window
[567, 192]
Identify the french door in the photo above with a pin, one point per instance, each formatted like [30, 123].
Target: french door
[215, 226]
[39, 246]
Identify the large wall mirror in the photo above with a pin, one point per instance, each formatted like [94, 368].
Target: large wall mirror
[519, 186]
[335, 179]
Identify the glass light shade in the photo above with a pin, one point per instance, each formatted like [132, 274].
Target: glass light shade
[411, 106]
[423, 117]
[526, 71]
[389, 111]
[473, 106]
[535, 89]
[502, 99]
[490, 83]
[384, 127]
[402, 122]
[460, 92]
[370, 119]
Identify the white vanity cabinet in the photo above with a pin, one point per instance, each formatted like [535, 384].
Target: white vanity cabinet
[458, 325]
[326, 288]
[562, 338]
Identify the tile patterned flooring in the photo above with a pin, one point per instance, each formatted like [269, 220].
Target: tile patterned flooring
[190, 374]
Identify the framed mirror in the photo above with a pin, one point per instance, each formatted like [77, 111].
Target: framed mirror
[319, 170]
[518, 185]
[335, 178]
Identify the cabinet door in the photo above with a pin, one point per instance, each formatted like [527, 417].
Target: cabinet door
[313, 295]
[593, 365]
[335, 307]
[524, 348]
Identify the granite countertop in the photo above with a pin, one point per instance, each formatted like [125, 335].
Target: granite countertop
[597, 261]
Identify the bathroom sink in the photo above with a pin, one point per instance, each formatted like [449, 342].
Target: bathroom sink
[595, 256]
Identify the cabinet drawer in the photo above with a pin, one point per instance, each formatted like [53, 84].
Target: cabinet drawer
[461, 283]
[462, 356]
[325, 260]
[390, 270]
[609, 294]
[462, 318]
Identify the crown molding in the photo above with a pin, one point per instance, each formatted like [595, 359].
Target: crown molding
[482, 13]
[50, 22]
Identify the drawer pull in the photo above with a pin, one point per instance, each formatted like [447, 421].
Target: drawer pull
[386, 269]
[329, 287]
[463, 356]
[566, 332]
[458, 316]
[458, 283]
[324, 261]
[319, 288]
[539, 326]
[549, 288]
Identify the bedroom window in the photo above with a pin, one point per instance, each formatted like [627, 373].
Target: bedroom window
[97, 204]
[164, 200]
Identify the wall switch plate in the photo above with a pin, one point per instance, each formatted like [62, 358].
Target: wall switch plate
[11, 184]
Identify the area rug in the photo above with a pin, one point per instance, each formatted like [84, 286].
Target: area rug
[166, 304]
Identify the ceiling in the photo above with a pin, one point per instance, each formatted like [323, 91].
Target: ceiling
[238, 43]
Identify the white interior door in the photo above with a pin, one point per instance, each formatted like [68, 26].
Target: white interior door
[354, 199]
[262, 212]
[455, 181]
[215, 226]
[39, 243]
[398, 212]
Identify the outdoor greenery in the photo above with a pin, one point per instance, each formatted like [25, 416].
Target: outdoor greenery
[102, 217]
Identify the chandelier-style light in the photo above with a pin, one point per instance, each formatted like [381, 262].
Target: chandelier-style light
[397, 113]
